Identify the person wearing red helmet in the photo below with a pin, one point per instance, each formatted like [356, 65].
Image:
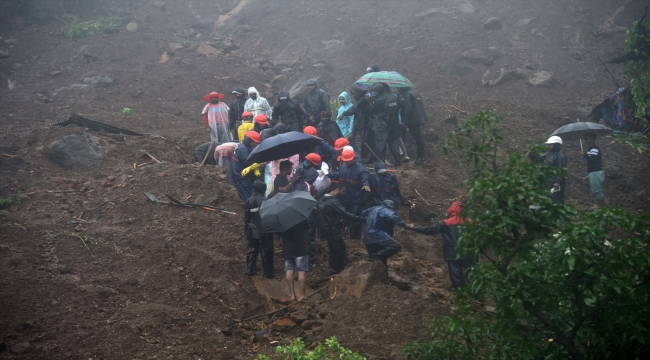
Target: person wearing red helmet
[261, 122]
[340, 145]
[246, 126]
[354, 176]
[243, 181]
[325, 150]
[215, 117]
[328, 130]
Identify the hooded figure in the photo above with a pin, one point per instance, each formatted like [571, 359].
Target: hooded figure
[384, 186]
[450, 229]
[378, 235]
[289, 112]
[315, 101]
[328, 130]
[413, 116]
[362, 124]
[257, 242]
[257, 104]
[345, 123]
[384, 111]
[373, 68]
[236, 110]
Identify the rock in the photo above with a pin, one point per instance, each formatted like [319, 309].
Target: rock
[21, 348]
[524, 22]
[540, 78]
[279, 81]
[176, 46]
[299, 316]
[576, 55]
[4, 54]
[283, 325]
[75, 87]
[132, 27]
[492, 78]
[158, 5]
[452, 120]
[288, 72]
[466, 8]
[493, 24]
[476, 55]
[355, 281]
[77, 151]
[410, 48]
[99, 81]
[308, 324]
[257, 337]
[56, 73]
[455, 68]
[432, 12]
[206, 49]
[410, 266]
[332, 45]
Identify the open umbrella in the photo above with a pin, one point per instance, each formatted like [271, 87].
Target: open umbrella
[283, 146]
[285, 210]
[577, 130]
[392, 78]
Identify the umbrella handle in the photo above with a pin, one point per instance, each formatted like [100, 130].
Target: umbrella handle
[581, 145]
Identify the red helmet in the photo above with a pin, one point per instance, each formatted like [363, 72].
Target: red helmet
[310, 130]
[347, 155]
[247, 114]
[262, 119]
[340, 143]
[253, 135]
[314, 158]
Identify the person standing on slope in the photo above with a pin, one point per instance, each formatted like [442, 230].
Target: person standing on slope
[215, 117]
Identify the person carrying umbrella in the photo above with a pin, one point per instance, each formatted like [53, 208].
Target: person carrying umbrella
[378, 235]
[258, 243]
[330, 213]
[289, 112]
[554, 158]
[315, 101]
[594, 159]
[215, 117]
[240, 175]
[384, 111]
[236, 112]
[354, 176]
[450, 230]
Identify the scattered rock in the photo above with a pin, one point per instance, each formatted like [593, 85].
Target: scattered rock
[410, 266]
[493, 24]
[176, 46]
[476, 55]
[11, 84]
[283, 325]
[355, 281]
[4, 54]
[158, 5]
[11, 41]
[21, 348]
[452, 120]
[576, 55]
[524, 22]
[410, 48]
[288, 72]
[540, 78]
[99, 81]
[299, 316]
[44, 98]
[455, 68]
[56, 73]
[259, 335]
[77, 151]
[132, 27]
[466, 8]
[493, 78]
[279, 81]
[165, 57]
[432, 12]
[308, 324]
[209, 50]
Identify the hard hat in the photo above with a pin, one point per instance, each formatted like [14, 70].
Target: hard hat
[554, 140]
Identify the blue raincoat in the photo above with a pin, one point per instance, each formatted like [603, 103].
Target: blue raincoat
[346, 124]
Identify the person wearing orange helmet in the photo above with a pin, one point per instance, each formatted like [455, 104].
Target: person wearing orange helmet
[215, 117]
[246, 126]
[325, 150]
[354, 176]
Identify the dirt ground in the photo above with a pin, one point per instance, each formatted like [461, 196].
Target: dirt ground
[91, 269]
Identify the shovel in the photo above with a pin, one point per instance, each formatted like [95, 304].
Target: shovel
[191, 205]
[154, 198]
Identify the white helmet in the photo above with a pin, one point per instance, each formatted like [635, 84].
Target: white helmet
[554, 140]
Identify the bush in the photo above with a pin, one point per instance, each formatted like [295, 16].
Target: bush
[296, 351]
[638, 42]
[562, 286]
[76, 28]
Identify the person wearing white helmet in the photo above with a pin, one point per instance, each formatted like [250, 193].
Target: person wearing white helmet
[554, 158]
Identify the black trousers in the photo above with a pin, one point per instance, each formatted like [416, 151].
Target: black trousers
[367, 141]
[383, 250]
[338, 256]
[417, 136]
[355, 226]
[456, 268]
[244, 188]
[264, 247]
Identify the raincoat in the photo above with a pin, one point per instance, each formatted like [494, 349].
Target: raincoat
[379, 224]
[289, 112]
[236, 109]
[314, 102]
[216, 119]
[243, 185]
[346, 124]
[384, 186]
[259, 105]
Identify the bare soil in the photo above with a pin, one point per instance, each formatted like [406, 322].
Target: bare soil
[144, 280]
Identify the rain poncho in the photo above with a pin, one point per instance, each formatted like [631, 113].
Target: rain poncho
[217, 121]
[259, 105]
[346, 124]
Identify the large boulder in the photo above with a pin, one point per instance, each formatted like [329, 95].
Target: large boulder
[77, 151]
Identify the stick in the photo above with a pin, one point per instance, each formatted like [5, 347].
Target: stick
[461, 110]
[368, 146]
[610, 73]
[152, 158]
[462, 196]
[238, 284]
[206, 155]
[283, 308]
[421, 197]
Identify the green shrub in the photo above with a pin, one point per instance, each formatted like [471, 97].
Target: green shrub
[76, 28]
[638, 70]
[296, 351]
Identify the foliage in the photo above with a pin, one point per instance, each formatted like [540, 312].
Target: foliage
[127, 111]
[561, 286]
[296, 351]
[638, 41]
[76, 28]
[5, 202]
[334, 106]
[638, 141]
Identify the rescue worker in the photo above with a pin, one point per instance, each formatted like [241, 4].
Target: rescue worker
[554, 158]
[325, 150]
[307, 173]
[413, 116]
[330, 213]
[215, 117]
[328, 130]
[246, 126]
[315, 101]
[261, 123]
[257, 104]
[378, 235]
[450, 230]
[235, 114]
[384, 112]
[354, 176]
[243, 180]
[289, 112]
[258, 243]
[384, 186]
[594, 159]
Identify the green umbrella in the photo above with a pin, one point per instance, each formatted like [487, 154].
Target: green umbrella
[392, 78]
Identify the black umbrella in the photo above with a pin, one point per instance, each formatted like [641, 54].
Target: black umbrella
[577, 130]
[283, 146]
[285, 210]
